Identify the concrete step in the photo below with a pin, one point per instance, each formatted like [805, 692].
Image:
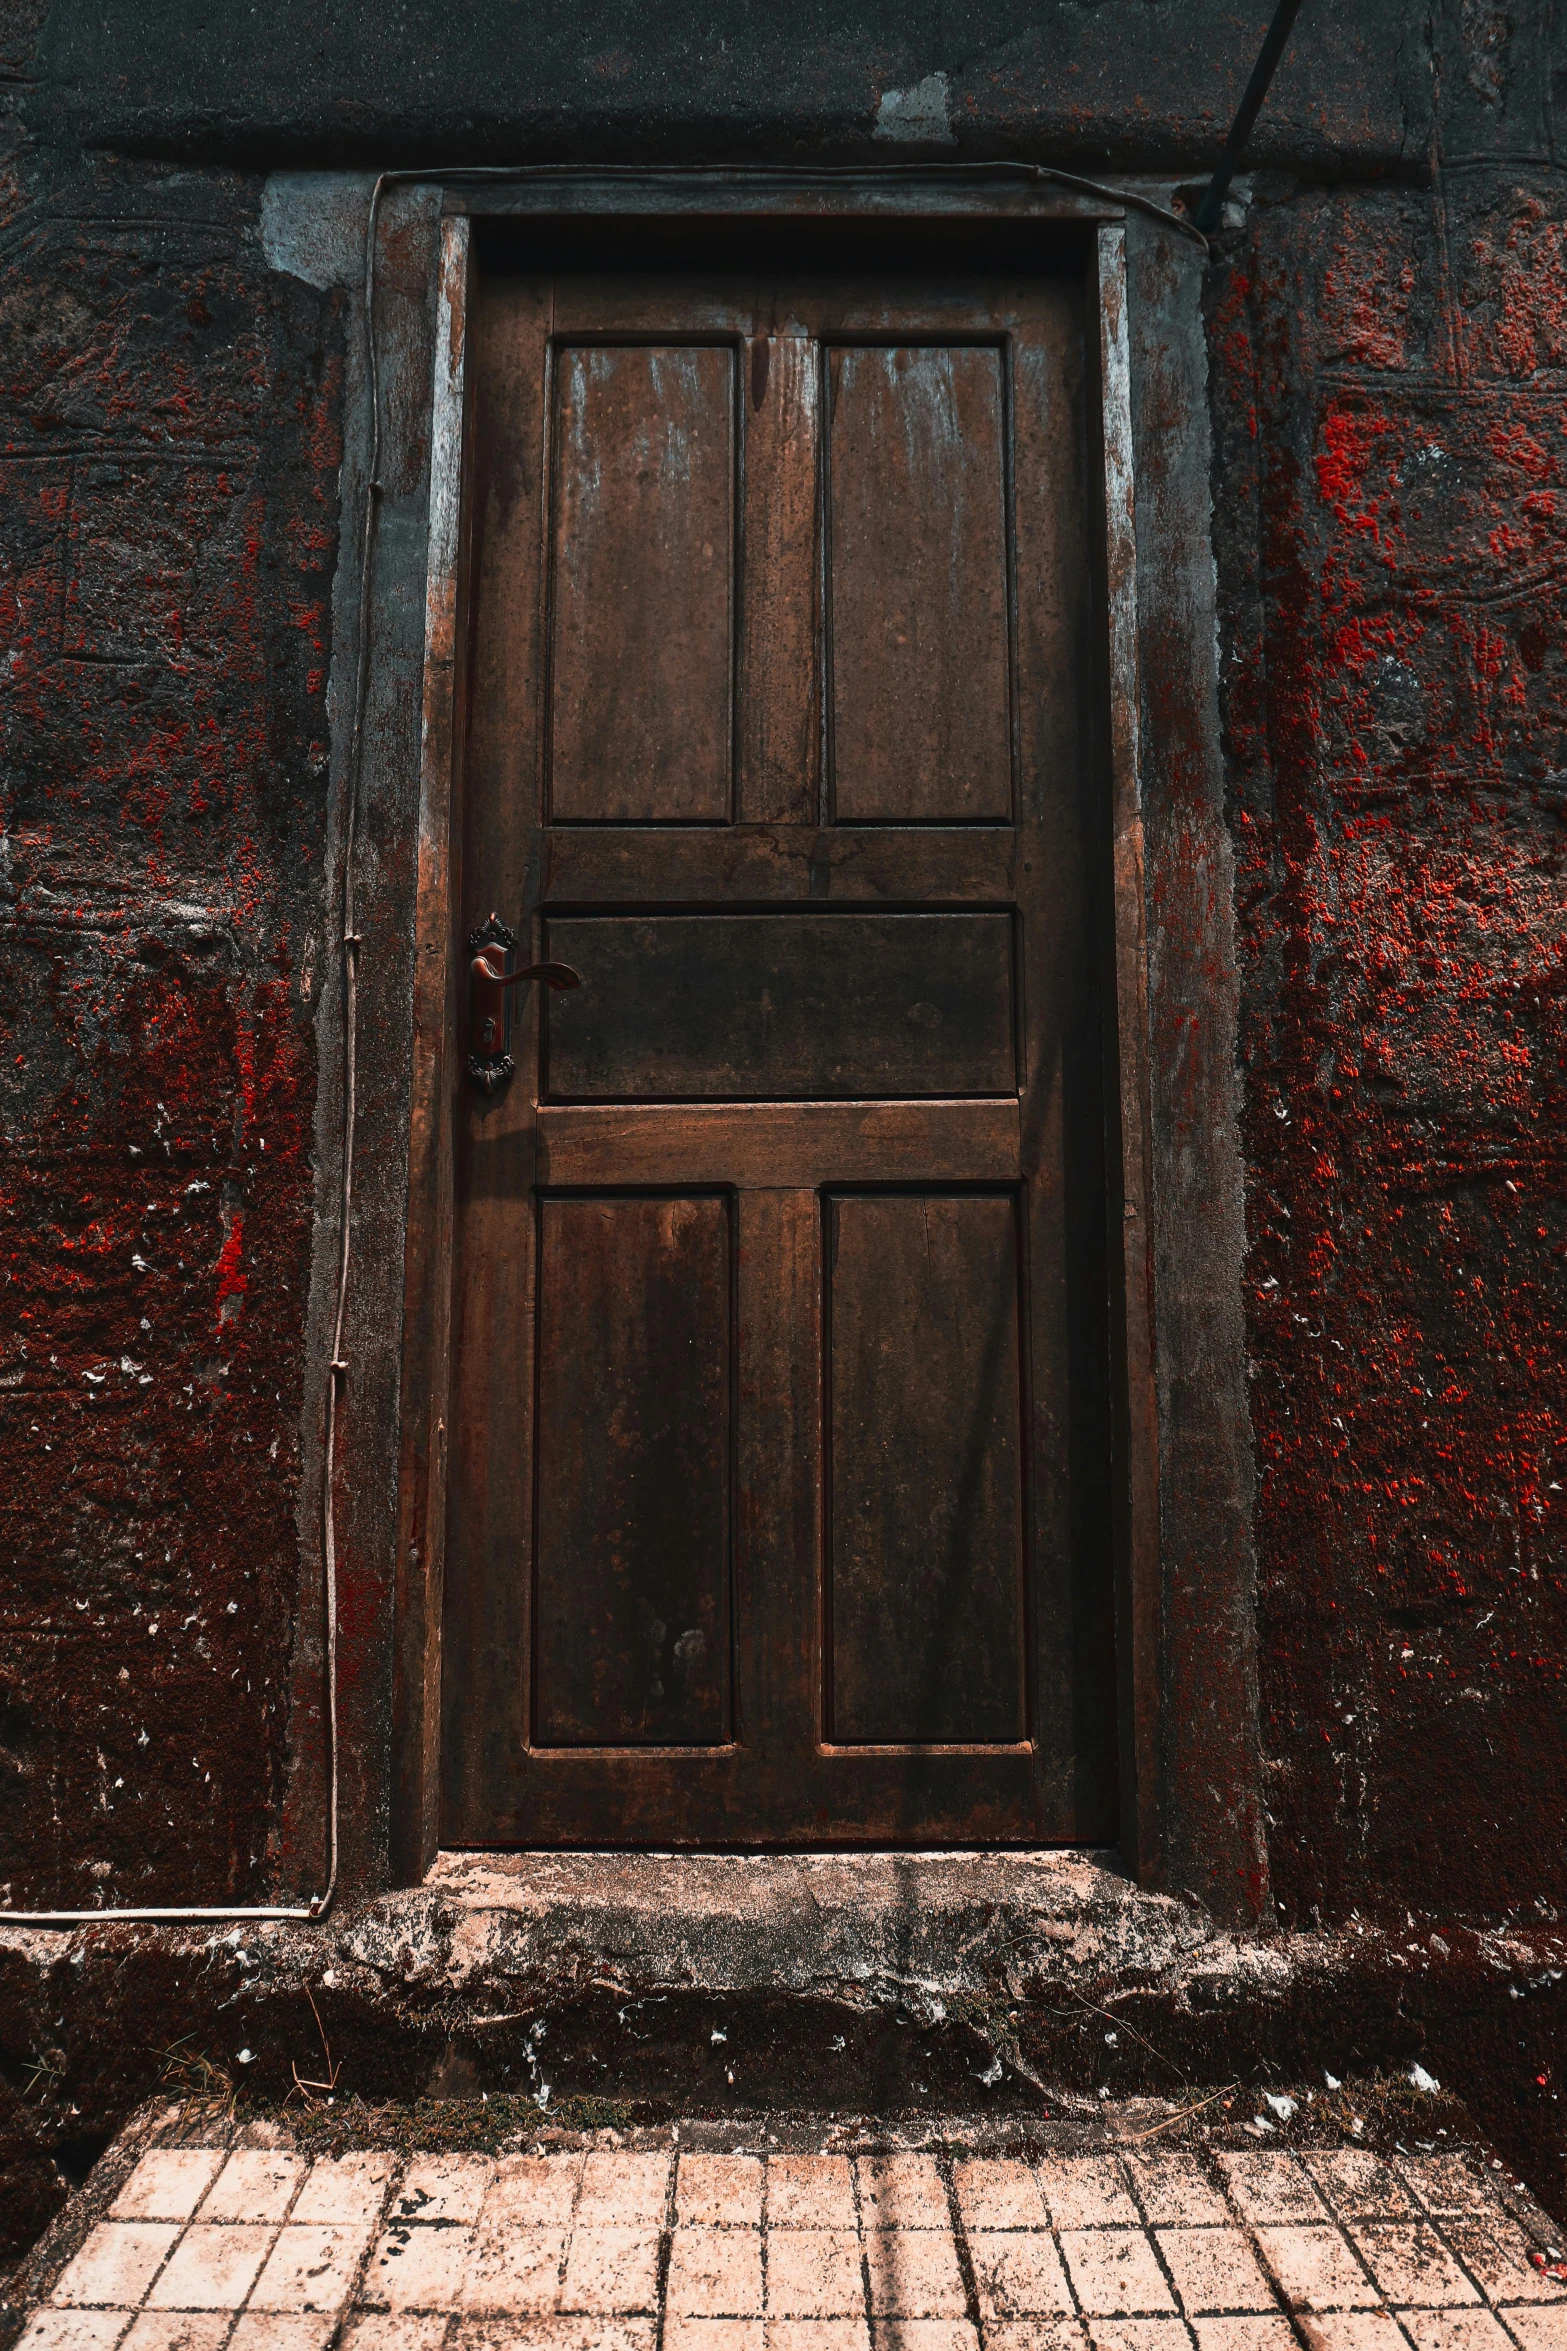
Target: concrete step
[634, 1989]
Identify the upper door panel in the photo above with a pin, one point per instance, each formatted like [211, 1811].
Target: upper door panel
[642, 583]
[920, 727]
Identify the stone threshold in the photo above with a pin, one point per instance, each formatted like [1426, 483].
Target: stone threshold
[1013, 1990]
[928, 1923]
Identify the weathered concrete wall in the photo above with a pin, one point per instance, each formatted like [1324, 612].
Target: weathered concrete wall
[1145, 84]
[1390, 500]
[169, 442]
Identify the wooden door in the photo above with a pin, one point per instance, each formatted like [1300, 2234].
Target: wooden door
[779, 1426]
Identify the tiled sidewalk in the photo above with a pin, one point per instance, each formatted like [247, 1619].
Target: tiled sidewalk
[613, 2250]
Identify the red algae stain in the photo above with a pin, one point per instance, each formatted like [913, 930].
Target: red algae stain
[164, 829]
[1403, 946]
[1368, 301]
[1353, 439]
[1513, 313]
[231, 1284]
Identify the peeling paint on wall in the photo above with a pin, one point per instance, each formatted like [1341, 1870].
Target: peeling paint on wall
[921, 115]
[313, 225]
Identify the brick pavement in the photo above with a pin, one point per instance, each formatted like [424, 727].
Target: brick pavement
[607, 2248]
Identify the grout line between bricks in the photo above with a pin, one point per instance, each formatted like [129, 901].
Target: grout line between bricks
[666, 2246]
[946, 2167]
[391, 2186]
[1221, 2180]
[1063, 2264]
[570, 2237]
[277, 2233]
[1140, 2208]
[1332, 2216]
[865, 2259]
[1483, 2301]
[764, 2222]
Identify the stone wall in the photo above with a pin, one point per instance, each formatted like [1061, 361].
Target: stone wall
[1389, 366]
[1388, 350]
[169, 443]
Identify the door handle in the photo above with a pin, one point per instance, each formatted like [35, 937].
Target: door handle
[490, 982]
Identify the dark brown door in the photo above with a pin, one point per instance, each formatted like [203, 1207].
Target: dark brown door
[778, 1428]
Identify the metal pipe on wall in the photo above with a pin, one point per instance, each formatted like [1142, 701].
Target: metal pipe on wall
[1211, 209]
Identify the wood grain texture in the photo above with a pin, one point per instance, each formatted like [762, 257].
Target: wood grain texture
[736, 1007]
[920, 726]
[776, 1144]
[925, 1503]
[489, 1483]
[778, 1486]
[427, 1291]
[1065, 961]
[1138, 1497]
[780, 665]
[851, 865]
[744, 1037]
[631, 1616]
[642, 585]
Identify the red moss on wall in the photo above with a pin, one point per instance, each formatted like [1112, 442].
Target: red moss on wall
[168, 453]
[1392, 451]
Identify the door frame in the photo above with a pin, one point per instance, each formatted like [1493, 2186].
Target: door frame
[1191, 1794]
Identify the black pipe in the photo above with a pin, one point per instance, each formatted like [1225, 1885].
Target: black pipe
[1212, 205]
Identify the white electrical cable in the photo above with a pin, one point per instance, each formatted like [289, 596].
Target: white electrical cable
[337, 1371]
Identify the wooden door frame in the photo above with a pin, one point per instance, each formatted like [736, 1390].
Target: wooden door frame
[1191, 1809]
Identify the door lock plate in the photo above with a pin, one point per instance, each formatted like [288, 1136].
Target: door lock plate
[490, 982]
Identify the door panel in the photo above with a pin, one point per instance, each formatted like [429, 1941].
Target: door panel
[780, 1451]
[642, 585]
[631, 1616]
[921, 711]
[779, 1143]
[925, 1507]
[754, 1007]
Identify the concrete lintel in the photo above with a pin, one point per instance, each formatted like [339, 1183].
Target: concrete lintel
[1095, 83]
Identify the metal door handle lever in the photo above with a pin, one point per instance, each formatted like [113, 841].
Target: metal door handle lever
[489, 982]
[559, 975]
